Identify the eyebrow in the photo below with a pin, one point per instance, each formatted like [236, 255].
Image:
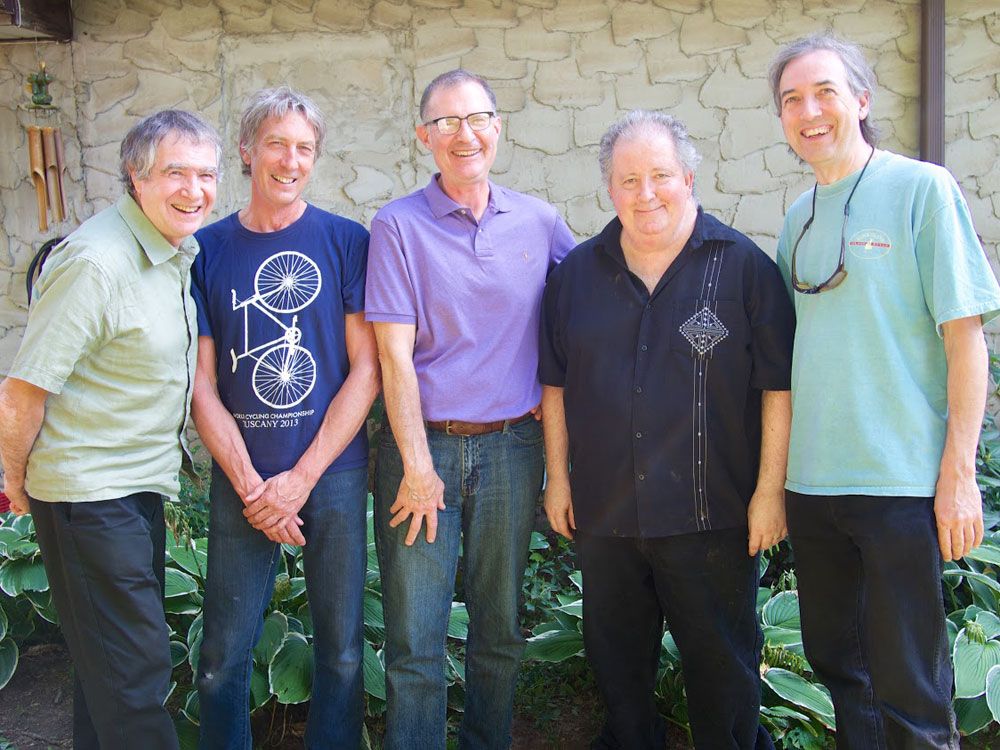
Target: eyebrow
[824, 82]
[213, 170]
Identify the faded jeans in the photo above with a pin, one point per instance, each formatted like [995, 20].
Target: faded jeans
[491, 487]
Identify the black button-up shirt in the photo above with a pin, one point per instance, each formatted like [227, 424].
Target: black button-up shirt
[663, 390]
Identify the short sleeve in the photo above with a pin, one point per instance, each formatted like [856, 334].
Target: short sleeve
[551, 352]
[65, 322]
[389, 293]
[772, 325]
[956, 276]
[561, 242]
[199, 293]
[355, 271]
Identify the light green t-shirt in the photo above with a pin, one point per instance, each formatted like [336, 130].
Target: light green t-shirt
[869, 376]
[112, 335]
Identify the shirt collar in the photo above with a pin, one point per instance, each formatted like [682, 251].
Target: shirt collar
[153, 244]
[706, 227]
[441, 204]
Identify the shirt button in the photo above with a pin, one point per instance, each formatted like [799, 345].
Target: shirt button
[643, 347]
[642, 477]
[638, 389]
[638, 434]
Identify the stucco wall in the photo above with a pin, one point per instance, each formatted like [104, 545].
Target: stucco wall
[562, 70]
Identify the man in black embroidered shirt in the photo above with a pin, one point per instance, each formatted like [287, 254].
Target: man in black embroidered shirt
[665, 359]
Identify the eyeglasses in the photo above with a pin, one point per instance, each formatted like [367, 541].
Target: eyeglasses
[451, 124]
[840, 273]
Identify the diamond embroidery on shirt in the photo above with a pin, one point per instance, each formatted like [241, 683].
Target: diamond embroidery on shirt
[704, 330]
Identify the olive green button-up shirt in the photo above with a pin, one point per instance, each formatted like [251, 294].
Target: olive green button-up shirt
[112, 335]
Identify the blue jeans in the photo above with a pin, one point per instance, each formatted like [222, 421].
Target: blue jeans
[705, 586]
[491, 488]
[873, 620]
[104, 562]
[242, 563]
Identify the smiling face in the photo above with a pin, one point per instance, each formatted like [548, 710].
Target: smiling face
[466, 157]
[280, 161]
[651, 192]
[179, 192]
[821, 115]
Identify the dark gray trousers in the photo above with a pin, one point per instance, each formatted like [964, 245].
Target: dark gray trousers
[104, 561]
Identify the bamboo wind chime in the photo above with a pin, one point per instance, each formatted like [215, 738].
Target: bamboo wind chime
[46, 156]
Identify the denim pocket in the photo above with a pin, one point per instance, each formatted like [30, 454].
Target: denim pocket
[527, 433]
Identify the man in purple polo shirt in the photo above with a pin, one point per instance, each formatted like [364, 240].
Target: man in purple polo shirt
[455, 279]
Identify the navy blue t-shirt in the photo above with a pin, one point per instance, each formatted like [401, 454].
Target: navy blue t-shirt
[274, 303]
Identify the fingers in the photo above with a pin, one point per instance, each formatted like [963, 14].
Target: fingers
[958, 541]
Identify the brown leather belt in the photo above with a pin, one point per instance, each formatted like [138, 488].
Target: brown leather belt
[467, 429]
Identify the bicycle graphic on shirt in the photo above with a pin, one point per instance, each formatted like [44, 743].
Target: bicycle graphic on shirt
[284, 372]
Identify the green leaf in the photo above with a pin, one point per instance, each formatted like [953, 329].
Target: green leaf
[3, 624]
[670, 646]
[782, 611]
[538, 541]
[194, 643]
[374, 671]
[455, 667]
[802, 693]
[374, 617]
[775, 636]
[192, 708]
[178, 583]
[182, 605]
[574, 608]
[42, 603]
[273, 634]
[260, 691]
[187, 733]
[993, 691]
[972, 714]
[8, 660]
[784, 712]
[458, 623]
[973, 576]
[290, 673]
[194, 561]
[24, 525]
[178, 653]
[576, 578]
[986, 552]
[22, 574]
[21, 548]
[555, 646]
[972, 661]
[990, 623]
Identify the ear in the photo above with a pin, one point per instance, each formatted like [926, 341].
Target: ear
[136, 186]
[424, 136]
[863, 101]
[245, 154]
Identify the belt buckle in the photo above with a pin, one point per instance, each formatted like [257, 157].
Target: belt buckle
[447, 427]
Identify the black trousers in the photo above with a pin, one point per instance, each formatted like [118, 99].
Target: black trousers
[104, 561]
[873, 620]
[705, 586]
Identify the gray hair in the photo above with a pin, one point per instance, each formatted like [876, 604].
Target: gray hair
[278, 102]
[642, 121]
[860, 76]
[138, 150]
[453, 78]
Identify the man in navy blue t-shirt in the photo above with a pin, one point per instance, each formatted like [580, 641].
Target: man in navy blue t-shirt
[287, 371]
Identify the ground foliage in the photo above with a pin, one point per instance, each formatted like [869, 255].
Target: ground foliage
[796, 709]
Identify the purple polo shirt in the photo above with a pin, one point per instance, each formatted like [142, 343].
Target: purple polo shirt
[473, 290]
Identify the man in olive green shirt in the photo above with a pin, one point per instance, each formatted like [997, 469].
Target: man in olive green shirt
[92, 420]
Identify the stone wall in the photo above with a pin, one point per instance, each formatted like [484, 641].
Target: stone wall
[563, 70]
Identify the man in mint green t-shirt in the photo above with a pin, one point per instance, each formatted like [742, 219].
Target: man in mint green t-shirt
[891, 288]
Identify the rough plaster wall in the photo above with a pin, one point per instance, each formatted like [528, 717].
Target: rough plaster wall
[562, 70]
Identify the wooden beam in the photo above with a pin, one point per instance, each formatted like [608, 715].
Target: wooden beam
[932, 81]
